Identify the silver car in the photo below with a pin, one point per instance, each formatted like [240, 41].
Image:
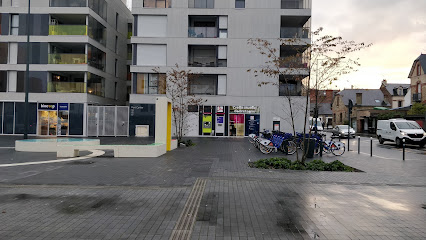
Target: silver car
[342, 131]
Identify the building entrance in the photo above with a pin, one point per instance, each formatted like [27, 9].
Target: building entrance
[236, 125]
[48, 121]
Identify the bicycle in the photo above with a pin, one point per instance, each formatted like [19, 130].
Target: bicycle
[337, 148]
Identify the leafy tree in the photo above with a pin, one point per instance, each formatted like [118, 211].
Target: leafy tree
[317, 64]
[417, 109]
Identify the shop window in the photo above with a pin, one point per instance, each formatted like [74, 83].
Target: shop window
[150, 83]
[240, 3]
[20, 118]
[3, 52]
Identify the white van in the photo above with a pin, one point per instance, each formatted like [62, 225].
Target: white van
[395, 130]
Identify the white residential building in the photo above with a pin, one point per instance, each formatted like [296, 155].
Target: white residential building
[210, 37]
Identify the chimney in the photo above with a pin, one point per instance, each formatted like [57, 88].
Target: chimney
[384, 82]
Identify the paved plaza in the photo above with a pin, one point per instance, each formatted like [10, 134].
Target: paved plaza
[209, 192]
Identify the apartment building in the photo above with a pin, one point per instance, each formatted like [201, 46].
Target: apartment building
[78, 57]
[209, 37]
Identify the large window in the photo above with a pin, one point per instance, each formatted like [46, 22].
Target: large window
[95, 57]
[240, 3]
[39, 24]
[95, 85]
[14, 25]
[67, 82]
[99, 7]
[38, 53]
[9, 112]
[76, 118]
[20, 118]
[3, 52]
[97, 31]
[290, 85]
[207, 56]
[152, 26]
[151, 55]
[157, 3]
[38, 82]
[150, 83]
[3, 82]
[205, 85]
[200, 3]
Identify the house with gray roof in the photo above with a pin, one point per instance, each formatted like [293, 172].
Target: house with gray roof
[396, 94]
[418, 79]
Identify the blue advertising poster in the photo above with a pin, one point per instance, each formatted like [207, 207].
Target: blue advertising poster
[219, 119]
[63, 106]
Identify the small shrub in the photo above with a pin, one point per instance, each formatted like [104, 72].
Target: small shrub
[315, 165]
[297, 165]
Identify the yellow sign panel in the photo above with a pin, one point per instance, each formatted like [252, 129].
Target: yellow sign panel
[207, 124]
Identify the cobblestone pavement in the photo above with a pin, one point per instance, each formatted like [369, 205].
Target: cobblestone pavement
[110, 198]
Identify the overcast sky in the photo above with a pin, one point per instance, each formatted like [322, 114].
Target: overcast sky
[397, 29]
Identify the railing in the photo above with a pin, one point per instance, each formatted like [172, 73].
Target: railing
[202, 32]
[68, 30]
[295, 32]
[417, 97]
[67, 58]
[68, 3]
[66, 87]
[295, 4]
[203, 62]
[293, 62]
[96, 64]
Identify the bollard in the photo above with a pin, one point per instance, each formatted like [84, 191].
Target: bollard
[371, 146]
[403, 149]
[359, 144]
[320, 147]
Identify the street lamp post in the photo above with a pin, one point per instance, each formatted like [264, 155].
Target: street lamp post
[27, 75]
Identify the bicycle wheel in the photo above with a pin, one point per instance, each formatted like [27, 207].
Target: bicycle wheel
[292, 148]
[301, 145]
[265, 149]
[337, 148]
[251, 140]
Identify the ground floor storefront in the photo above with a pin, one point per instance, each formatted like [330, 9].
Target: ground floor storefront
[45, 119]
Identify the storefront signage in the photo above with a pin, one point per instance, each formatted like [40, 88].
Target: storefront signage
[219, 109]
[48, 106]
[244, 109]
[63, 106]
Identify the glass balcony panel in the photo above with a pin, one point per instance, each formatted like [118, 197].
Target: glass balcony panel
[68, 30]
[67, 58]
[66, 87]
[295, 32]
[202, 32]
[203, 62]
[294, 62]
[68, 3]
[295, 4]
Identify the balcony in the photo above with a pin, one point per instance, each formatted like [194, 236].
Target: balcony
[295, 4]
[202, 32]
[295, 32]
[67, 58]
[68, 3]
[207, 56]
[417, 97]
[68, 30]
[66, 87]
[293, 62]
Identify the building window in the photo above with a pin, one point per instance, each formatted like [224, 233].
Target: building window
[359, 99]
[3, 52]
[152, 26]
[116, 44]
[201, 4]
[341, 117]
[240, 3]
[14, 25]
[157, 4]
[115, 68]
[115, 91]
[399, 103]
[203, 85]
[95, 85]
[3, 82]
[116, 21]
[151, 55]
[150, 83]
[418, 70]
[38, 82]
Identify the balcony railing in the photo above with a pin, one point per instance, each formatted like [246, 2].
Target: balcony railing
[202, 32]
[67, 58]
[295, 4]
[417, 97]
[96, 64]
[295, 32]
[67, 87]
[293, 62]
[68, 30]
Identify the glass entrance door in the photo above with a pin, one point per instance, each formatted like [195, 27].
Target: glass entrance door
[236, 125]
[47, 123]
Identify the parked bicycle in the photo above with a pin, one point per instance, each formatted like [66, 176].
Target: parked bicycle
[336, 148]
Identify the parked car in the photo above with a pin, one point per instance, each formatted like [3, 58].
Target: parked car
[395, 130]
[342, 131]
[319, 124]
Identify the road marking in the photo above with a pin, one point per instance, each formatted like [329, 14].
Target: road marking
[185, 224]
[95, 153]
[390, 158]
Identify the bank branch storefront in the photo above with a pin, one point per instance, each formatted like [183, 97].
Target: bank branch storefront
[53, 119]
[238, 121]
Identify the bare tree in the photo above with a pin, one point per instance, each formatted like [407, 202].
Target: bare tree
[177, 84]
[301, 62]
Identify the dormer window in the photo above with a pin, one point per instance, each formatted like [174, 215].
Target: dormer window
[400, 92]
